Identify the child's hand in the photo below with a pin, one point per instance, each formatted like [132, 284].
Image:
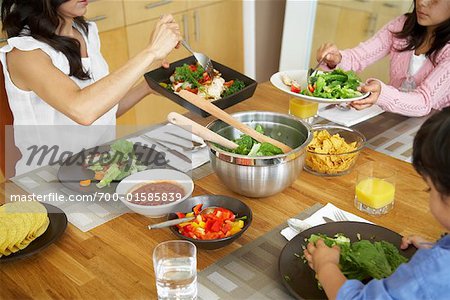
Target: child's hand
[418, 242]
[332, 55]
[320, 255]
[372, 86]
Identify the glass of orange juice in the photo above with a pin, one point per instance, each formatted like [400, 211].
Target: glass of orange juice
[375, 188]
[305, 110]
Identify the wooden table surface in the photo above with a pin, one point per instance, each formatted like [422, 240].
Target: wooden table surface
[114, 260]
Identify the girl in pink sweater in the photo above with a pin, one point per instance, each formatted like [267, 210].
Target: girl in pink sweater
[418, 44]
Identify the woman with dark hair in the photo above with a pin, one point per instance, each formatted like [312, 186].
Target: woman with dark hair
[418, 44]
[55, 73]
[427, 274]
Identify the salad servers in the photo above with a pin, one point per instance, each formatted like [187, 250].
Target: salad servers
[225, 117]
[311, 70]
[202, 59]
[201, 131]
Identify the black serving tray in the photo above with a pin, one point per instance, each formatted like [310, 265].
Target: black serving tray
[155, 77]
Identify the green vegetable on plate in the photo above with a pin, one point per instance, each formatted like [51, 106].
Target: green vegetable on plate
[364, 259]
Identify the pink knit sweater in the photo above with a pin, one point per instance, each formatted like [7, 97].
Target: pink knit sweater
[432, 82]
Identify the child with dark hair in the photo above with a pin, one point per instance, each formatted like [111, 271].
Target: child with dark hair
[418, 44]
[427, 274]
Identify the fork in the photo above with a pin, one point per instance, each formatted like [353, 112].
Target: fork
[202, 59]
[185, 148]
[311, 70]
[339, 216]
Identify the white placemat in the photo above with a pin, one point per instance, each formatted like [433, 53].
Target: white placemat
[349, 117]
[88, 213]
[317, 219]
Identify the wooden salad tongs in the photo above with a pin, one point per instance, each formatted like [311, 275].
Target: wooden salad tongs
[225, 117]
[201, 131]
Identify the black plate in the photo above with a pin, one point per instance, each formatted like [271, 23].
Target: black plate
[302, 283]
[72, 171]
[56, 227]
[238, 207]
[155, 77]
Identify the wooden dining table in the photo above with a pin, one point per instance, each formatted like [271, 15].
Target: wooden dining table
[114, 260]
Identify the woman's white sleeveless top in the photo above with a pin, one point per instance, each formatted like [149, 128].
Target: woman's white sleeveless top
[36, 123]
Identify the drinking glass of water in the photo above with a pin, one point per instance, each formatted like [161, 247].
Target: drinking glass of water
[175, 264]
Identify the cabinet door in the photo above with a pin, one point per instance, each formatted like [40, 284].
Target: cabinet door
[143, 10]
[115, 52]
[216, 30]
[152, 109]
[341, 25]
[384, 12]
[106, 13]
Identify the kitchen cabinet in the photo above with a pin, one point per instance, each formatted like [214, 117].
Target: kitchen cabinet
[210, 27]
[216, 30]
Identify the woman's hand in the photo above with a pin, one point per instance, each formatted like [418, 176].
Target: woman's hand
[372, 86]
[320, 255]
[165, 38]
[415, 240]
[333, 56]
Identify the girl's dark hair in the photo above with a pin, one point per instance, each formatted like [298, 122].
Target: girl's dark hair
[415, 35]
[40, 19]
[431, 150]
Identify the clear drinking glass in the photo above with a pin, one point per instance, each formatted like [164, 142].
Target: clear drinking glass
[175, 264]
[305, 110]
[375, 188]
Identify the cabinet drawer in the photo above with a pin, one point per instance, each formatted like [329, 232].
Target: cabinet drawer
[108, 14]
[199, 3]
[362, 5]
[141, 10]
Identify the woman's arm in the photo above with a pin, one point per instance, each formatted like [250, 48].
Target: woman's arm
[133, 96]
[34, 71]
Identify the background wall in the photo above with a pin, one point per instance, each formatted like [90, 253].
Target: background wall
[269, 28]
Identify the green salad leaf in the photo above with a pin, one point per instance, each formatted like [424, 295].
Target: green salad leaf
[337, 84]
[186, 74]
[251, 147]
[364, 259]
[117, 164]
[234, 88]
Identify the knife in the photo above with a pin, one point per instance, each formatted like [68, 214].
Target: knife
[170, 150]
[328, 220]
[184, 138]
[327, 107]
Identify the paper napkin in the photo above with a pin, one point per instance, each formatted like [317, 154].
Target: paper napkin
[317, 219]
[350, 117]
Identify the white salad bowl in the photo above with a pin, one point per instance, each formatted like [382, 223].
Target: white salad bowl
[164, 206]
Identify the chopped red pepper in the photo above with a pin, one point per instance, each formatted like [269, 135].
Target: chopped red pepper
[180, 215]
[197, 209]
[193, 68]
[229, 83]
[311, 88]
[218, 224]
[295, 89]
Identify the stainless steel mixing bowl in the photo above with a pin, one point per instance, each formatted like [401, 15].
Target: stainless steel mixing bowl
[266, 175]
